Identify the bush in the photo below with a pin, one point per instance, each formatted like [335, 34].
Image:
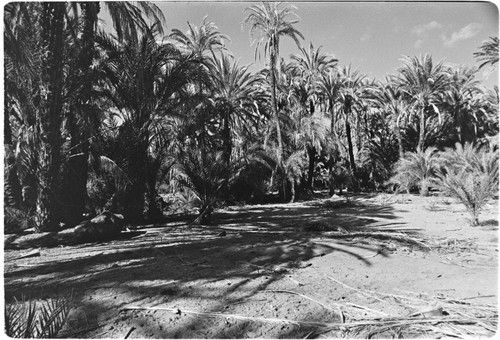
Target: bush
[206, 174]
[16, 220]
[26, 319]
[416, 169]
[251, 184]
[470, 174]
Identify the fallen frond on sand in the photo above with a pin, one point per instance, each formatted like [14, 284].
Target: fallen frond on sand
[454, 245]
[456, 318]
[398, 237]
[382, 323]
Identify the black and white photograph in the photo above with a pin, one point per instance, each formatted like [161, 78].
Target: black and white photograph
[238, 169]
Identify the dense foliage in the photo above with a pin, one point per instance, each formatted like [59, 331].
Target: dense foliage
[95, 120]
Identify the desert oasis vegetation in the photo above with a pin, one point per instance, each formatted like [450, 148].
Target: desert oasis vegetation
[250, 170]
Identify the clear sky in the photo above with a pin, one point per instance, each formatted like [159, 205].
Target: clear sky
[372, 36]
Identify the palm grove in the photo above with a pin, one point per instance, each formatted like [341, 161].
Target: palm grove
[96, 120]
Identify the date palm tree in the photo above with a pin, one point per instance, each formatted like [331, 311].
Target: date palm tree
[146, 81]
[311, 64]
[235, 93]
[461, 104]
[488, 53]
[129, 20]
[389, 98]
[271, 22]
[22, 70]
[48, 117]
[202, 42]
[350, 101]
[329, 86]
[75, 53]
[423, 82]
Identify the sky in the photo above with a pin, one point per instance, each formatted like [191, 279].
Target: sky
[371, 36]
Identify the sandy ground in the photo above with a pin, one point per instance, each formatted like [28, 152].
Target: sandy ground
[317, 264]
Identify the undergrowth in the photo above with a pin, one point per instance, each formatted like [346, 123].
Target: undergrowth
[29, 319]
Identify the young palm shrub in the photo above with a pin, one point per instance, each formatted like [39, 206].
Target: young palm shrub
[207, 174]
[470, 174]
[416, 169]
[24, 319]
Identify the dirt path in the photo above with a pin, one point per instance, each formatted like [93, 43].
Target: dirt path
[319, 263]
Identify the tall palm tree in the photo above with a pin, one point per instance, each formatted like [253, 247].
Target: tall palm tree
[146, 81]
[329, 86]
[389, 98]
[76, 53]
[488, 53]
[235, 93]
[312, 64]
[271, 22]
[22, 70]
[128, 19]
[350, 100]
[48, 117]
[459, 102]
[423, 81]
[201, 42]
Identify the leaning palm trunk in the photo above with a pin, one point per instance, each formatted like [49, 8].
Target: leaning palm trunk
[352, 164]
[48, 117]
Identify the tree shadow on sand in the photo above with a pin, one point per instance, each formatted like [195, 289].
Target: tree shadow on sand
[262, 245]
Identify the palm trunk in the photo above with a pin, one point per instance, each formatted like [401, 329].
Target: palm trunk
[49, 116]
[75, 181]
[273, 57]
[135, 196]
[352, 164]
[421, 136]
[292, 190]
[400, 142]
[227, 137]
[12, 186]
[311, 151]
[274, 104]
[332, 123]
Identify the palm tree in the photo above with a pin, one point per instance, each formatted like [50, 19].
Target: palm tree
[389, 98]
[312, 64]
[423, 81]
[235, 93]
[488, 53]
[460, 102]
[271, 22]
[470, 174]
[206, 173]
[417, 168]
[76, 53]
[308, 67]
[146, 80]
[329, 86]
[349, 100]
[22, 69]
[48, 117]
[129, 19]
[201, 41]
